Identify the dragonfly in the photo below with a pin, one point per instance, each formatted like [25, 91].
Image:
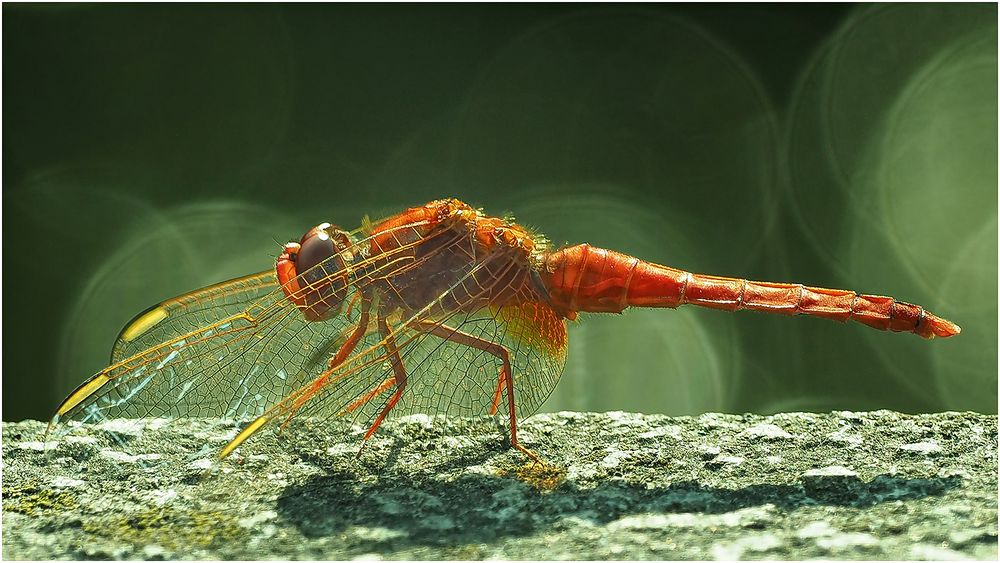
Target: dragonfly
[437, 309]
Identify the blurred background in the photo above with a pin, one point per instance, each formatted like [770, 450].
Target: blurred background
[150, 150]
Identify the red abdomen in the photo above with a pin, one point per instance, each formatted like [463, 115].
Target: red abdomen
[584, 278]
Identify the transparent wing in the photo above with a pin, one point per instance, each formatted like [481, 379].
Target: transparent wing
[228, 351]
[188, 312]
[231, 366]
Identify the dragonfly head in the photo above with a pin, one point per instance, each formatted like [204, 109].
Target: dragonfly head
[313, 272]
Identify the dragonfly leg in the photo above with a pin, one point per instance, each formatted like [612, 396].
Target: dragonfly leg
[506, 379]
[302, 395]
[362, 400]
[345, 350]
[389, 343]
[356, 336]
[497, 394]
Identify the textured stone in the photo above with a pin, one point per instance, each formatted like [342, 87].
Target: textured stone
[844, 485]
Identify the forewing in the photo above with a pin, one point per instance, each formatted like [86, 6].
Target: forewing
[189, 312]
[231, 365]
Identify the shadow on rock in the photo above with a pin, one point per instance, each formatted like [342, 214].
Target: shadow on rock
[405, 510]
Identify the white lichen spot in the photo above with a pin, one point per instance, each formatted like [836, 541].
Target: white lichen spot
[774, 459]
[925, 448]
[845, 436]
[934, 553]
[66, 483]
[454, 443]
[580, 472]
[730, 460]
[767, 432]
[164, 497]
[421, 419]
[37, 446]
[709, 452]
[157, 423]
[646, 522]
[614, 458]
[754, 543]
[830, 471]
[948, 472]
[621, 418]
[818, 529]
[960, 537]
[480, 469]
[846, 541]
[129, 458]
[690, 520]
[715, 420]
[375, 533]
[673, 432]
[153, 551]
[342, 449]
[257, 519]
[203, 463]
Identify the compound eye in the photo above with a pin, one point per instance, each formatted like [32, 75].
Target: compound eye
[321, 264]
[316, 247]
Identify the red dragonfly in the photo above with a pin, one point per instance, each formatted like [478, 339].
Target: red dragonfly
[439, 308]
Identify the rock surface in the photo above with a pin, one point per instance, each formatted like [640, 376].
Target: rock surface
[844, 485]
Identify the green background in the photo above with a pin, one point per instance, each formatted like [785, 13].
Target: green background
[150, 150]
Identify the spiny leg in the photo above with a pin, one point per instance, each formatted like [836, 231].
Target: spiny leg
[506, 379]
[389, 343]
[363, 399]
[345, 350]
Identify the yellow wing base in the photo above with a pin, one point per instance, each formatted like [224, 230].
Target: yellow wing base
[82, 392]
